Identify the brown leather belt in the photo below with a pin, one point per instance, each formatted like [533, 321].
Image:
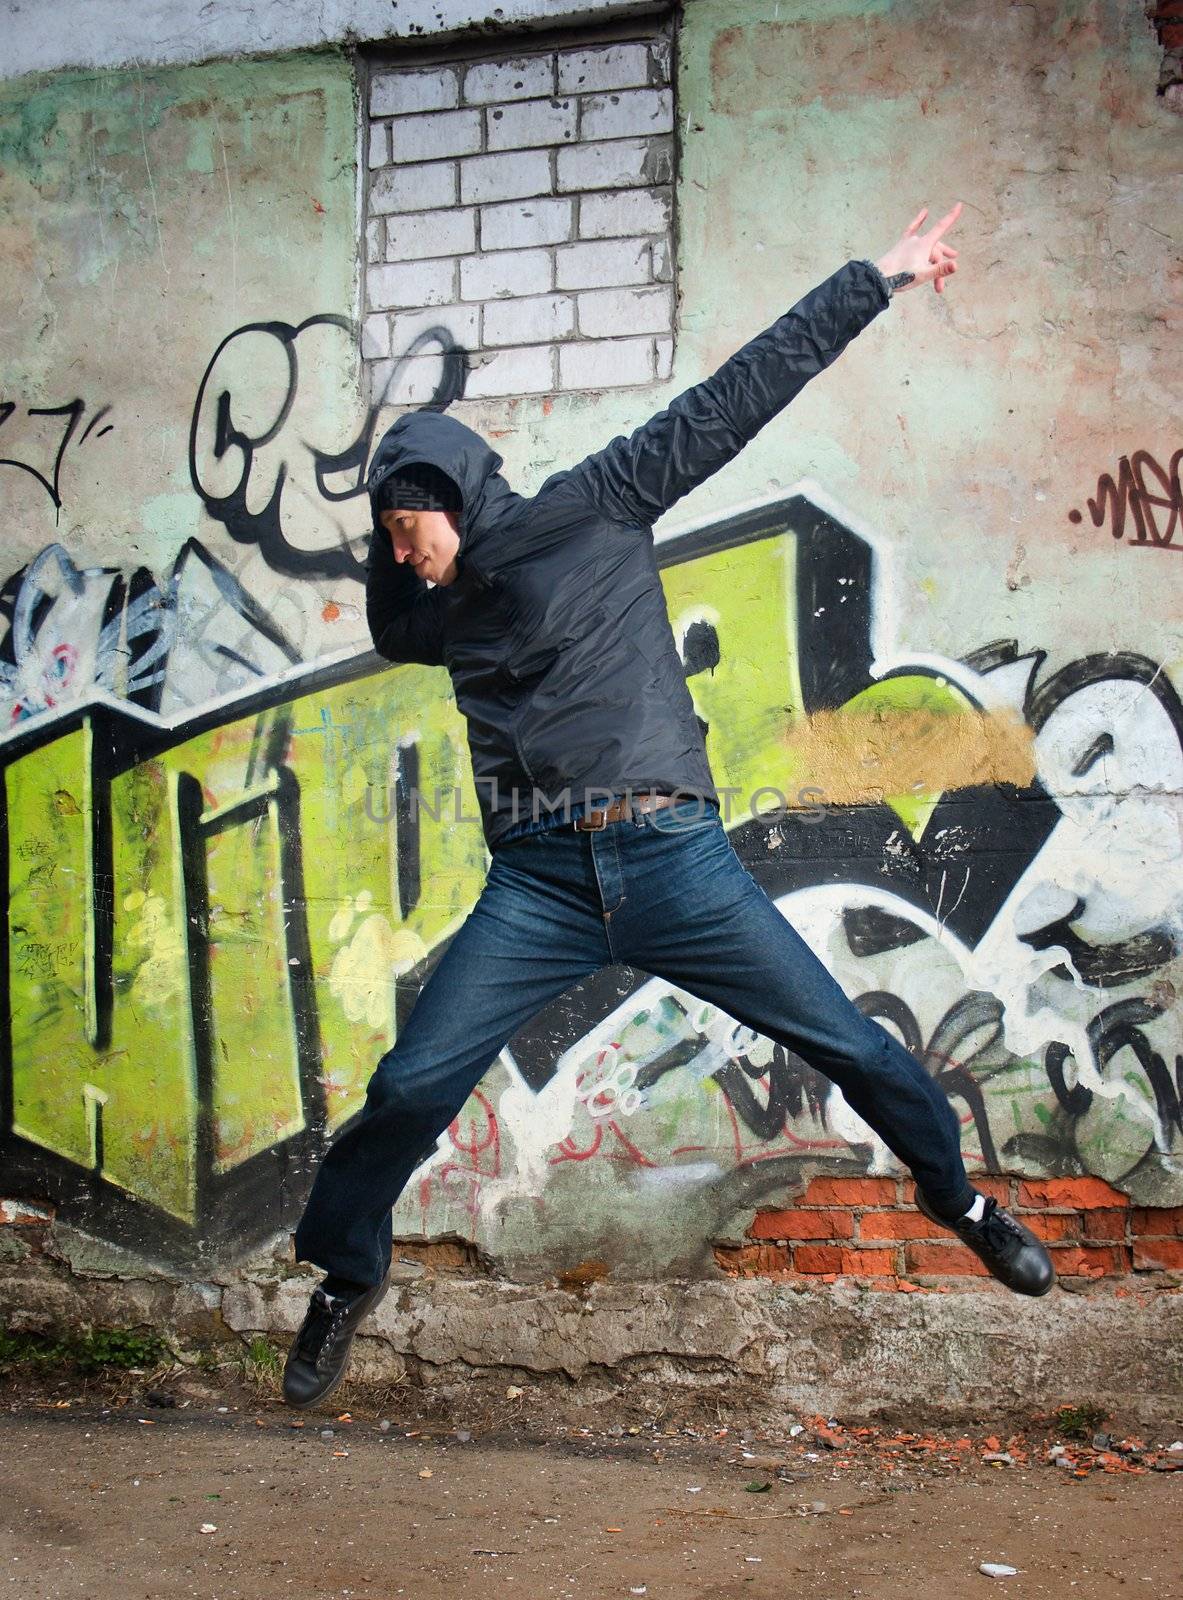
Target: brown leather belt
[620, 810]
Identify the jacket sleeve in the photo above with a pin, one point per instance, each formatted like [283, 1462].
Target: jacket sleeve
[636, 479]
[405, 616]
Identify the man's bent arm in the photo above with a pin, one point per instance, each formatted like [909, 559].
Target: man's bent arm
[405, 616]
[636, 479]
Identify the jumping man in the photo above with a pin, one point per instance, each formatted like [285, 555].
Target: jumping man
[596, 796]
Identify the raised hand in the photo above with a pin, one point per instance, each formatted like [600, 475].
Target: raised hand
[923, 255]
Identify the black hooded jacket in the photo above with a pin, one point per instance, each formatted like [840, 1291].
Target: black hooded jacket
[555, 632]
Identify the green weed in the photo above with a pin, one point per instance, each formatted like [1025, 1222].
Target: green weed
[87, 1350]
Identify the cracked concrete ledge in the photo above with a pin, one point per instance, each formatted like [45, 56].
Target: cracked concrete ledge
[832, 1348]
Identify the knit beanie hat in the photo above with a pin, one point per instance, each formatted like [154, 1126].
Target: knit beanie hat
[418, 486]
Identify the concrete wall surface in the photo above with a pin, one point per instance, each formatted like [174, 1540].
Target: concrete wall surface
[937, 593]
[43, 35]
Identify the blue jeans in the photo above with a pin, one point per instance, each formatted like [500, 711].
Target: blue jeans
[666, 893]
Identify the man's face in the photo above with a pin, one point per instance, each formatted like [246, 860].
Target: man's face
[429, 540]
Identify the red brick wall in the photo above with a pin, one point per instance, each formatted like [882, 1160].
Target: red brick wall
[868, 1228]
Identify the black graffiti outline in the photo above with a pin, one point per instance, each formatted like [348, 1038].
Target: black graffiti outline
[264, 529]
[1118, 1027]
[72, 410]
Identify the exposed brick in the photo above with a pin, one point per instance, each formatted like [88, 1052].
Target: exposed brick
[435, 136]
[532, 122]
[851, 1192]
[375, 337]
[505, 176]
[422, 188]
[802, 1225]
[374, 240]
[663, 355]
[943, 1261]
[818, 1258]
[379, 154]
[526, 369]
[1161, 1220]
[1171, 35]
[607, 262]
[606, 312]
[1098, 1262]
[662, 265]
[417, 235]
[505, 272]
[624, 211]
[1053, 1226]
[526, 222]
[522, 78]
[1162, 1255]
[896, 1225]
[868, 1263]
[621, 116]
[533, 320]
[752, 1260]
[605, 363]
[394, 93]
[1102, 1224]
[615, 164]
[413, 283]
[997, 1188]
[459, 321]
[1070, 1193]
[616, 66]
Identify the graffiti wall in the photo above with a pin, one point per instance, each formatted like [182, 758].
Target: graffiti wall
[935, 603]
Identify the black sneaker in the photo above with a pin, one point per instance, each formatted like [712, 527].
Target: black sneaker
[1011, 1252]
[320, 1351]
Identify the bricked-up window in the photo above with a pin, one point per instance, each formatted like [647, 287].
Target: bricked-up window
[522, 203]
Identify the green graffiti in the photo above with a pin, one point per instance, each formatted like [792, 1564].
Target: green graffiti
[208, 934]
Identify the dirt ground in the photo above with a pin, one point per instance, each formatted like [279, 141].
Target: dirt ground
[219, 1492]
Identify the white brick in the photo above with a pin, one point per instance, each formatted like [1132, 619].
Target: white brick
[505, 272]
[526, 222]
[379, 145]
[530, 321]
[526, 370]
[664, 351]
[414, 188]
[615, 164]
[663, 266]
[375, 336]
[605, 216]
[619, 66]
[395, 93]
[605, 363]
[521, 79]
[616, 116]
[374, 240]
[604, 313]
[408, 383]
[415, 283]
[598, 265]
[532, 122]
[439, 134]
[413, 235]
[505, 177]
[459, 321]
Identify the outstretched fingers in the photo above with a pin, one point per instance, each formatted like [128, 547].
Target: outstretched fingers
[946, 222]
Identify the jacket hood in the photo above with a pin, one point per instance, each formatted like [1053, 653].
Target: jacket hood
[473, 466]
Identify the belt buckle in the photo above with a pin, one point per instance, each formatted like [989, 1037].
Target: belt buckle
[593, 827]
